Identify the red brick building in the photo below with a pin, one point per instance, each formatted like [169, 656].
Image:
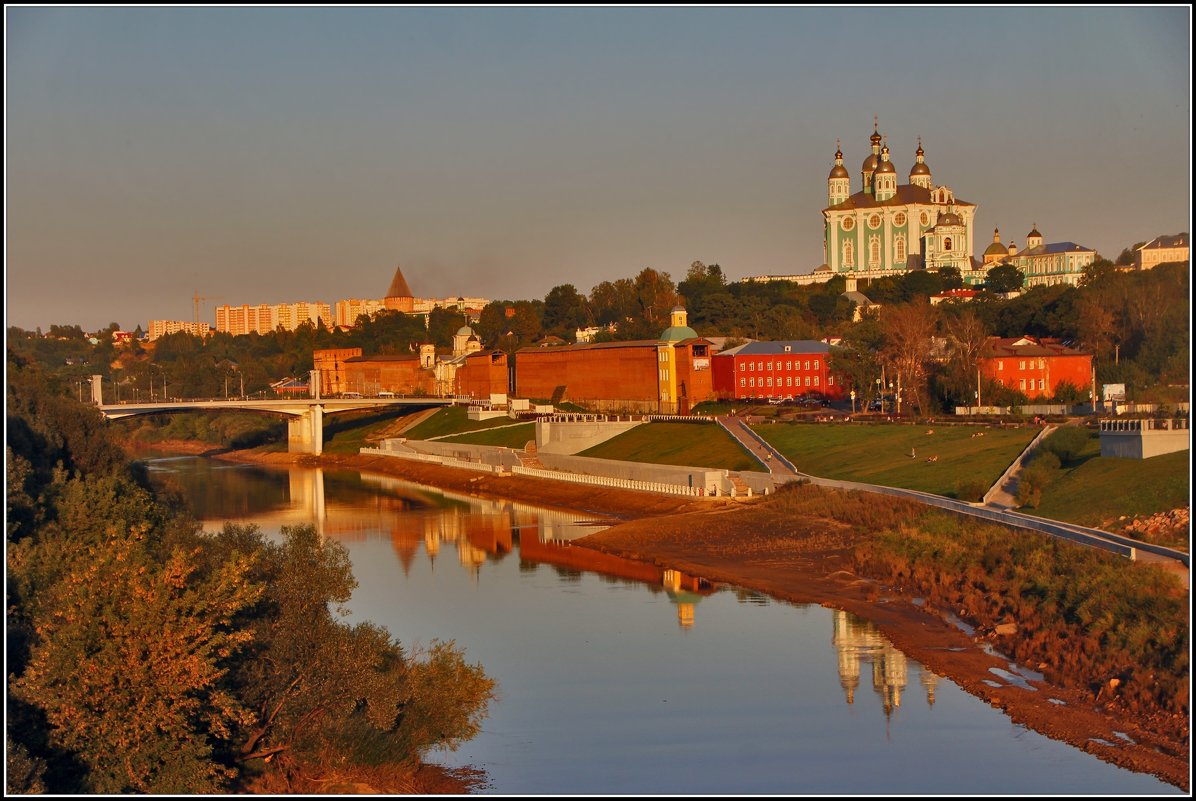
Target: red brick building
[483, 374]
[402, 375]
[1035, 367]
[775, 370]
[670, 375]
[330, 363]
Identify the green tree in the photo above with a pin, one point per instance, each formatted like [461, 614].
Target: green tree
[565, 311]
[1004, 278]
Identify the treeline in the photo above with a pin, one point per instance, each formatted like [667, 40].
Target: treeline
[1135, 324]
[147, 656]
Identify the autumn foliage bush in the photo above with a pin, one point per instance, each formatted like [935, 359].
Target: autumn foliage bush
[1083, 615]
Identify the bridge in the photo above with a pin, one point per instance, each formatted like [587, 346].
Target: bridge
[305, 429]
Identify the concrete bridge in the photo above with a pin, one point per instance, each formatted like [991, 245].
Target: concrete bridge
[305, 429]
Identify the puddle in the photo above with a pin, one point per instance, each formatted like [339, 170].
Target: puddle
[1125, 737]
[1100, 741]
[959, 624]
[992, 683]
[1013, 678]
[1057, 701]
[918, 601]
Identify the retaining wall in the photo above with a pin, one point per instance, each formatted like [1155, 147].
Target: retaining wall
[711, 480]
[569, 437]
[1016, 464]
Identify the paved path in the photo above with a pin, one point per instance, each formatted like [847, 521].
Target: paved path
[778, 466]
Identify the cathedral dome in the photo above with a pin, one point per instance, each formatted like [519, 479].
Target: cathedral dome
[885, 166]
[871, 163]
[1034, 232]
[919, 169]
[949, 218]
[996, 249]
[839, 171]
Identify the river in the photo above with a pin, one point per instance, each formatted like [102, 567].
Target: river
[615, 677]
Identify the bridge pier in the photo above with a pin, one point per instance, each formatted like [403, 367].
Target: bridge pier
[305, 432]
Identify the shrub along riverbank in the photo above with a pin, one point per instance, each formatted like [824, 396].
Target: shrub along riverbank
[146, 656]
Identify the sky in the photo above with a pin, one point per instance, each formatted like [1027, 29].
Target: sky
[271, 154]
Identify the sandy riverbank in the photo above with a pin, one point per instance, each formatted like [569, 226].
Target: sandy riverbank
[805, 561]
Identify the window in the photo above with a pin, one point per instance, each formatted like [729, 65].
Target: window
[815, 364]
[770, 381]
[848, 223]
[830, 379]
[788, 365]
[816, 380]
[807, 365]
[874, 221]
[1023, 385]
[899, 249]
[848, 254]
[742, 381]
[899, 219]
[874, 251]
[1000, 364]
[743, 367]
[947, 243]
[664, 356]
[751, 382]
[789, 381]
[770, 367]
[1041, 384]
[1021, 365]
[664, 375]
[753, 366]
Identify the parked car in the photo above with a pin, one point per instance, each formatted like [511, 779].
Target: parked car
[350, 394]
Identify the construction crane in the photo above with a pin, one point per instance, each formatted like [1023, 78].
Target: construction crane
[197, 298]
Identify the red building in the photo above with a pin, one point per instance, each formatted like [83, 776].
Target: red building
[775, 370]
[483, 374]
[1035, 367]
[669, 375]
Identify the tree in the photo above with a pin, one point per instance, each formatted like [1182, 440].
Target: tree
[656, 296]
[1004, 278]
[950, 277]
[613, 302]
[857, 361]
[909, 329]
[1100, 271]
[565, 311]
[129, 662]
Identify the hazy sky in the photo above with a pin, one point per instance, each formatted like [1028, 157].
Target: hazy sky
[268, 155]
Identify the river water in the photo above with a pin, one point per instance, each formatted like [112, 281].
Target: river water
[615, 677]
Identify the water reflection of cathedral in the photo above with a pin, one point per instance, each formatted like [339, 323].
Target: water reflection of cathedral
[856, 640]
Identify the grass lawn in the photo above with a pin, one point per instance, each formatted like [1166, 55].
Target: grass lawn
[880, 454]
[1100, 489]
[347, 433]
[517, 436]
[685, 444]
[453, 420]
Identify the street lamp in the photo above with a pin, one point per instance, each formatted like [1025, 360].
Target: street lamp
[853, 401]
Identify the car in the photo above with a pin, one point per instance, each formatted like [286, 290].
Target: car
[350, 394]
[386, 394]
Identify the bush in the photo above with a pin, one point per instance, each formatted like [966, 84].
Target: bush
[970, 489]
[1046, 460]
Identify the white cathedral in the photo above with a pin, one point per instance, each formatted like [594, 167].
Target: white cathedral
[888, 228]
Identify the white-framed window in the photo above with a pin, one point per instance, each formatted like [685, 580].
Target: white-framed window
[807, 365]
[807, 381]
[664, 375]
[770, 381]
[830, 379]
[760, 366]
[1041, 384]
[815, 364]
[742, 381]
[743, 367]
[789, 381]
[899, 248]
[848, 254]
[1023, 385]
[751, 382]
[1021, 364]
[753, 366]
[770, 367]
[788, 365]
[816, 380]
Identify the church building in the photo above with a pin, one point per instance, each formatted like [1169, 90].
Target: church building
[889, 228]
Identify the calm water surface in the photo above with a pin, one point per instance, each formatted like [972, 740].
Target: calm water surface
[616, 677]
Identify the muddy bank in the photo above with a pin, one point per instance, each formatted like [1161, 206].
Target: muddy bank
[810, 561]
[804, 560]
